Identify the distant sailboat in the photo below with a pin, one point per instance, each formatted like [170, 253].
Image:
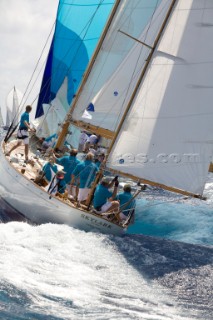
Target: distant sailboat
[13, 109]
[148, 91]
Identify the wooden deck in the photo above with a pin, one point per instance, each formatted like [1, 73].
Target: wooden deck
[31, 169]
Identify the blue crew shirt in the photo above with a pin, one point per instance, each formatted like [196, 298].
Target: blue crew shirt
[47, 170]
[101, 195]
[124, 197]
[61, 185]
[24, 117]
[69, 163]
[86, 170]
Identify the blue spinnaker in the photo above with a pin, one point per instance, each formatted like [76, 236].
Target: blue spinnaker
[79, 25]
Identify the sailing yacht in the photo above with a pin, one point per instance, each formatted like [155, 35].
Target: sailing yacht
[13, 102]
[148, 91]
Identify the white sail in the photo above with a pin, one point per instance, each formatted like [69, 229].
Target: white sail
[167, 136]
[13, 101]
[54, 113]
[118, 65]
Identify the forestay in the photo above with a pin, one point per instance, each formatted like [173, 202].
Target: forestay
[167, 135]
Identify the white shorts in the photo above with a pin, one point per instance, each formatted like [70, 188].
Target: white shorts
[23, 135]
[105, 206]
[83, 194]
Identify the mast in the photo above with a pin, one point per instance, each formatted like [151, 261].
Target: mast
[68, 120]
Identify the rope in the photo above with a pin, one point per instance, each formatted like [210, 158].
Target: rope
[38, 62]
[11, 130]
[163, 202]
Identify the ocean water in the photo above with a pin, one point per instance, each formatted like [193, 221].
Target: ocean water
[162, 269]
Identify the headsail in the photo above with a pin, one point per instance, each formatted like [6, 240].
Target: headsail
[167, 136]
[78, 28]
[54, 113]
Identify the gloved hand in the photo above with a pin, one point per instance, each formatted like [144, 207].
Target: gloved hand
[116, 183]
[115, 179]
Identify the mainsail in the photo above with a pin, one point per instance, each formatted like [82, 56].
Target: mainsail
[150, 90]
[78, 27]
[167, 135]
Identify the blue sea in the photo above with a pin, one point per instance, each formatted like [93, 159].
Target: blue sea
[161, 270]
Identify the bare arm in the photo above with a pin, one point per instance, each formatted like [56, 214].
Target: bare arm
[28, 126]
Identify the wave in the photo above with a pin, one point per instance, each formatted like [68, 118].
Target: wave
[56, 272]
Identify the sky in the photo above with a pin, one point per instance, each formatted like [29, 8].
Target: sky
[24, 29]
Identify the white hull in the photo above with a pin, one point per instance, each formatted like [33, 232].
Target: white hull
[36, 205]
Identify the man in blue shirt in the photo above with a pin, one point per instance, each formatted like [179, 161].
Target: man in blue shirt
[48, 172]
[69, 163]
[22, 133]
[49, 169]
[127, 203]
[104, 199]
[85, 171]
[57, 186]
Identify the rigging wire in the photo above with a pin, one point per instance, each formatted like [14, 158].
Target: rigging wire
[176, 200]
[47, 41]
[12, 129]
